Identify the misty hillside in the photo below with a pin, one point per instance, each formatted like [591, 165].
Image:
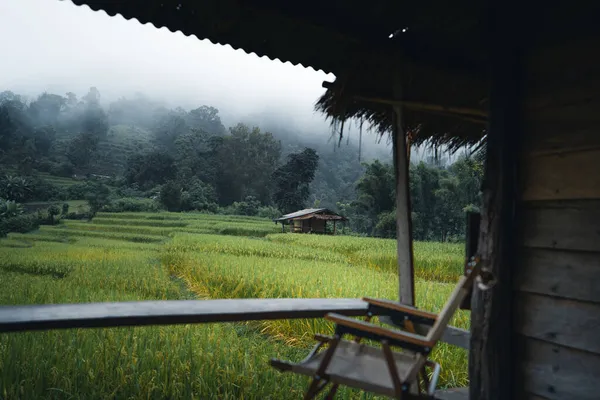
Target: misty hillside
[78, 137]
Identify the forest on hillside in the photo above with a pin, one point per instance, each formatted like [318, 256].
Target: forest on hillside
[137, 154]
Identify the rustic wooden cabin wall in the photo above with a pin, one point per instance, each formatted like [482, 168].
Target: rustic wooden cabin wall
[557, 281]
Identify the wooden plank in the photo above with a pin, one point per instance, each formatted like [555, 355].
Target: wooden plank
[567, 176]
[392, 305]
[556, 372]
[567, 225]
[560, 137]
[566, 322]
[574, 275]
[92, 315]
[456, 337]
[471, 242]
[380, 331]
[563, 72]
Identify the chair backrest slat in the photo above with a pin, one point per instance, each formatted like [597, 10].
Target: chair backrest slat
[461, 290]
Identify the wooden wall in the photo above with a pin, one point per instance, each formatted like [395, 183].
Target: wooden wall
[556, 280]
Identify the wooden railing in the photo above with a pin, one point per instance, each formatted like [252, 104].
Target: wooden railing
[171, 312]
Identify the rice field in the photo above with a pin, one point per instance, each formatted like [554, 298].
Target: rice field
[163, 256]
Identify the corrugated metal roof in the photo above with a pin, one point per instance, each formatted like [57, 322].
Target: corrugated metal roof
[313, 33]
[301, 213]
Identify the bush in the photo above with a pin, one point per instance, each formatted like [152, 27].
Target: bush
[132, 205]
[198, 196]
[98, 197]
[78, 216]
[9, 209]
[269, 212]
[248, 207]
[64, 169]
[21, 223]
[65, 208]
[130, 192]
[79, 190]
[47, 191]
[53, 211]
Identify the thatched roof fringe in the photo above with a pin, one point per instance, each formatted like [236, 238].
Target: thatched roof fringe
[431, 121]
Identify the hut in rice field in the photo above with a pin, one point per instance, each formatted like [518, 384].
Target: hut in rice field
[310, 220]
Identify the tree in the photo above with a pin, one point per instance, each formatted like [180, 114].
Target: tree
[167, 129]
[15, 188]
[94, 121]
[170, 196]
[46, 109]
[53, 211]
[80, 149]
[207, 119]
[150, 169]
[197, 156]
[247, 159]
[292, 180]
[97, 198]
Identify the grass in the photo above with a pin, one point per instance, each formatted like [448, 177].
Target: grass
[145, 256]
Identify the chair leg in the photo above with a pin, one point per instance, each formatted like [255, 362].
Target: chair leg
[391, 363]
[332, 391]
[319, 382]
[315, 388]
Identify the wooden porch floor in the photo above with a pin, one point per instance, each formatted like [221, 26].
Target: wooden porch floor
[453, 394]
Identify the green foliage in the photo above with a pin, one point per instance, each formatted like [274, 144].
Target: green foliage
[170, 196]
[132, 205]
[198, 196]
[53, 211]
[250, 206]
[16, 188]
[439, 198]
[20, 223]
[247, 159]
[65, 208]
[80, 149]
[292, 180]
[9, 209]
[98, 197]
[268, 212]
[150, 169]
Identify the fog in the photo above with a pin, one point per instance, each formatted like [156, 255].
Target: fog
[55, 46]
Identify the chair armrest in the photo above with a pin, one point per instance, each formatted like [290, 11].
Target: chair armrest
[393, 306]
[374, 332]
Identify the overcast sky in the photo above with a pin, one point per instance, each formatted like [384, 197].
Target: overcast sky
[55, 46]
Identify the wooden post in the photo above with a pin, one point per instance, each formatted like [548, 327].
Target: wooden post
[334, 221]
[491, 368]
[471, 239]
[403, 214]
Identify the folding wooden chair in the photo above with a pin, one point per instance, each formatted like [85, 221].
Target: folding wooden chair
[379, 369]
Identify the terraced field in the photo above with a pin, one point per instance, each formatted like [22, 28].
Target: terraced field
[144, 256]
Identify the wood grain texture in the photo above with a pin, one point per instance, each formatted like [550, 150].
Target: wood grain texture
[168, 312]
[569, 323]
[570, 274]
[566, 176]
[559, 137]
[558, 373]
[567, 225]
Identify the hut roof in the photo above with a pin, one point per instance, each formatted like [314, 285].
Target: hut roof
[322, 213]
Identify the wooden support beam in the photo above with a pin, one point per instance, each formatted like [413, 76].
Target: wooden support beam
[492, 370]
[406, 273]
[471, 114]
